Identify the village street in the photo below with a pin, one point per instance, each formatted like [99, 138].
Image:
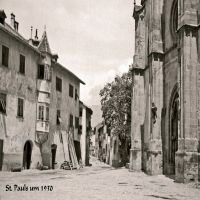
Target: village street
[97, 182]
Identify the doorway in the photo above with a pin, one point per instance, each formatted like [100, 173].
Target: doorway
[173, 137]
[27, 155]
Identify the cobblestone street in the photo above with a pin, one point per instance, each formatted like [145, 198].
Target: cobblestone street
[97, 182]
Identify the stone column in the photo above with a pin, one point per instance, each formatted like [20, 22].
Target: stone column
[155, 55]
[137, 110]
[137, 118]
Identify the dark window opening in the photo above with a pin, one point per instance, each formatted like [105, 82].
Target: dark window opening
[22, 64]
[76, 94]
[80, 129]
[71, 90]
[76, 122]
[47, 113]
[5, 56]
[58, 84]
[71, 121]
[58, 117]
[40, 71]
[20, 108]
[41, 113]
[2, 103]
[80, 112]
[174, 20]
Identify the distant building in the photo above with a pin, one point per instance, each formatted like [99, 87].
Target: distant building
[39, 101]
[86, 132]
[103, 144]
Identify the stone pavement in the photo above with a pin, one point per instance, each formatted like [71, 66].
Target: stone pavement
[99, 182]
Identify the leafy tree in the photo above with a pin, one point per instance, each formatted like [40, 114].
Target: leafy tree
[116, 108]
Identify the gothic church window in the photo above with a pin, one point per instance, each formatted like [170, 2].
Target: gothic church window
[174, 19]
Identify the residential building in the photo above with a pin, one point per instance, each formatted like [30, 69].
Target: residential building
[103, 145]
[39, 101]
[165, 101]
[18, 98]
[86, 132]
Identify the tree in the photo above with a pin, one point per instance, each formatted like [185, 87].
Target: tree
[116, 108]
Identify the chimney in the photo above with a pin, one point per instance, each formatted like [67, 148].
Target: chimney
[16, 25]
[12, 20]
[36, 34]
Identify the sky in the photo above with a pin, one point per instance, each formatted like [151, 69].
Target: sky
[93, 38]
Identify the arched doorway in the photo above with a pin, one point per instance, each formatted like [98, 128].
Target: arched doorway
[174, 126]
[27, 155]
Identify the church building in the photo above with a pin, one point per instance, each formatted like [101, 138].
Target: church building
[165, 129]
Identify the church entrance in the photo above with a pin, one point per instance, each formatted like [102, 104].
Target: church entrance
[173, 137]
[27, 155]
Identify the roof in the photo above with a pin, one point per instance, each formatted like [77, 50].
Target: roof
[87, 108]
[71, 73]
[9, 30]
[44, 44]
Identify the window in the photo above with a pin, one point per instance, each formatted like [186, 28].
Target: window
[22, 64]
[80, 129]
[58, 84]
[5, 56]
[174, 20]
[2, 103]
[71, 90]
[47, 113]
[80, 112]
[20, 108]
[71, 121]
[76, 122]
[76, 94]
[40, 71]
[58, 117]
[41, 113]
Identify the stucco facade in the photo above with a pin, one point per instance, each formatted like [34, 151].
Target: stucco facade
[165, 101]
[39, 103]
[16, 130]
[86, 132]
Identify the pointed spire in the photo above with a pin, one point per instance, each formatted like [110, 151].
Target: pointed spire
[44, 44]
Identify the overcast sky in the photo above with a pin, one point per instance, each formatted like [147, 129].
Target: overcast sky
[93, 38]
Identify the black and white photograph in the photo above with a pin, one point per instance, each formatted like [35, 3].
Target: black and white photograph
[99, 99]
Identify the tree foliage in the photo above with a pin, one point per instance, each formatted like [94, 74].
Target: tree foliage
[116, 105]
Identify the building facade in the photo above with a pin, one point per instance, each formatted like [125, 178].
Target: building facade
[165, 101]
[18, 74]
[86, 132]
[39, 101]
